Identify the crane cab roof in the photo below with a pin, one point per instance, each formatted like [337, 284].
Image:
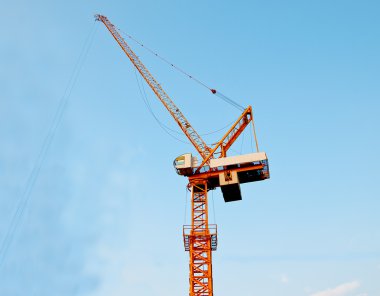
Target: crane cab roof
[239, 159]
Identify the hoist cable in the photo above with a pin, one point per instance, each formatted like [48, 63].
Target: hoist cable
[228, 100]
[213, 206]
[164, 60]
[251, 138]
[215, 92]
[145, 100]
[254, 133]
[242, 143]
[29, 186]
[186, 201]
[218, 130]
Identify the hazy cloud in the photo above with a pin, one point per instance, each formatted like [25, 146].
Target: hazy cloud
[340, 290]
[284, 279]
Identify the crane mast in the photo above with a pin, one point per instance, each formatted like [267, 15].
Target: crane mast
[215, 170]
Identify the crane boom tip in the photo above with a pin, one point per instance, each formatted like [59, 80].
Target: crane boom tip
[98, 17]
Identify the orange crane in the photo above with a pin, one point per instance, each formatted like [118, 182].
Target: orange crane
[214, 170]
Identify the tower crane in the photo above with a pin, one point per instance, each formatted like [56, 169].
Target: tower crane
[214, 169]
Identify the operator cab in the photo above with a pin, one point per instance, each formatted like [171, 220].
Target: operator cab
[185, 164]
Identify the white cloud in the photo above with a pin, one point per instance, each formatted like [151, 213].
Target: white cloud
[340, 290]
[362, 294]
[284, 279]
[307, 289]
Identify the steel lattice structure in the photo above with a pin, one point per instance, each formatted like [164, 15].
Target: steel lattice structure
[200, 238]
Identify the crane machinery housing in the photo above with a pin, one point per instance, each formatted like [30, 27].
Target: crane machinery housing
[214, 169]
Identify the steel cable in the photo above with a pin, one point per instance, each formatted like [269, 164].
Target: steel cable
[215, 92]
[29, 186]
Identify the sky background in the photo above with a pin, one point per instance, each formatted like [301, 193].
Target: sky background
[105, 214]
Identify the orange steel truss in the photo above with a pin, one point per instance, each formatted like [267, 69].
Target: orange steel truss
[220, 149]
[200, 239]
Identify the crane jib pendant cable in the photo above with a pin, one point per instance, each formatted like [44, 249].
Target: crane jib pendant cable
[213, 91]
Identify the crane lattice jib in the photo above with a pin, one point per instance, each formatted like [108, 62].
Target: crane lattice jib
[220, 149]
[185, 126]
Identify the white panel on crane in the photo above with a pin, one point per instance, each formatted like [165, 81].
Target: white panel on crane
[239, 159]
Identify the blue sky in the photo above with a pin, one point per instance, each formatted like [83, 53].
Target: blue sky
[105, 215]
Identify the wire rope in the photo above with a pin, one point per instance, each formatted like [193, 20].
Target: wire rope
[186, 201]
[31, 181]
[214, 91]
[242, 143]
[251, 139]
[166, 128]
[213, 206]
[145, 100]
